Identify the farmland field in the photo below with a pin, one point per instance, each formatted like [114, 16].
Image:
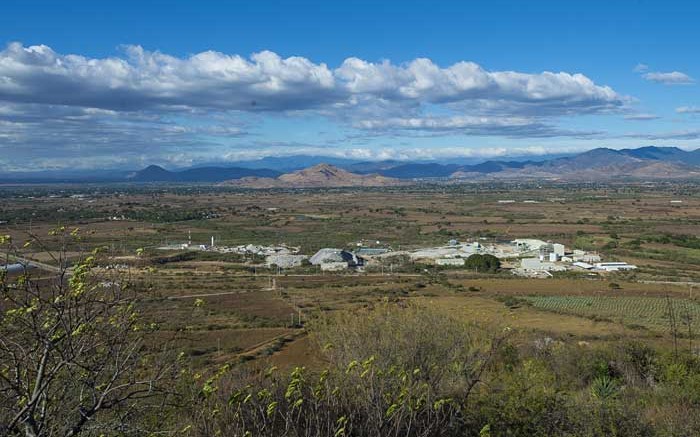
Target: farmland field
[654, 313]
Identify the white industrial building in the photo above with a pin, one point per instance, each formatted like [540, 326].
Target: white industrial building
[333, 266]
[587, 257]
[285, 261]
[614, 266]
[449, 261]
[583, 265]
[335, 259]
[535, 264]
[459, 250]
[529, 244]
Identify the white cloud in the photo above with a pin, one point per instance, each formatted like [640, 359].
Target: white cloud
[422, 80]
[690, 134]
[403, 153]
[144, 103]
[266, 81]
[688, 110]
[484, 125]
[641, 117]
[670, 78]
[641, 68]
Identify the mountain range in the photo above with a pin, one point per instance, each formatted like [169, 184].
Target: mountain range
[650, 162]
[154, 173]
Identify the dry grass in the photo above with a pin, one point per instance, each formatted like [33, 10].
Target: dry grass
[239, 312]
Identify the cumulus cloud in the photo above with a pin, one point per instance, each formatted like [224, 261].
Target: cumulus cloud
[147, 80]
[424, 81]
[67, 105]
[266, 81]
[670, 78]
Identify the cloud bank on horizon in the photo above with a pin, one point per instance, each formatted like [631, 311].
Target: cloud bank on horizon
[142, 106]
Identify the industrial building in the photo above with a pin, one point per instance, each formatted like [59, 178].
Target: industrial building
[536, 264]
[458, 250]
[336, 259]
[371, 251]
[15, 268]
[285, 261]
[449, 261]
[614, 266]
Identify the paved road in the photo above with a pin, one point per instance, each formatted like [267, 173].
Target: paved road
[224, 293]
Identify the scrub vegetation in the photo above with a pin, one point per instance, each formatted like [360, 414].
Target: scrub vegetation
[213, 344]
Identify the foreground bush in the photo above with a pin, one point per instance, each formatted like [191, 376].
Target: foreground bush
[409, 371]
[73, 354]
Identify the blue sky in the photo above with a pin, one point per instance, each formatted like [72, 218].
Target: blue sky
[124, 84]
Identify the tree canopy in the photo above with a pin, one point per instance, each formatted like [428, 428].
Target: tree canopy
[483, 263]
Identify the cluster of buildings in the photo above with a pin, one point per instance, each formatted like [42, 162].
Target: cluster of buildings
[553, 257]
[256, 250]
[528, 257]
[455, 252]
[245, 249]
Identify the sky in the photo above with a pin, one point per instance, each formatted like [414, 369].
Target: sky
[106, 84]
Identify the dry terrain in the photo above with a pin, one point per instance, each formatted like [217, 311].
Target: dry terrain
[227, 308]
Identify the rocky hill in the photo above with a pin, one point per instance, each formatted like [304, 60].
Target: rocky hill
[321, 175]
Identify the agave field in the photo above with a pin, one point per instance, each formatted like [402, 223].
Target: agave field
[655, 313]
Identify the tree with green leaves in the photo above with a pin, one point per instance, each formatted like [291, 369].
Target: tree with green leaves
[73, 357]
[483, 263]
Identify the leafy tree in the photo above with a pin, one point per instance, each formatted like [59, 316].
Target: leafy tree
[483, 263]
[73, 357]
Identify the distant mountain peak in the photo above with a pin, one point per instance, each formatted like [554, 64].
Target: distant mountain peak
[318, 176]
[659, 153]
[323, 170]
[155, 173]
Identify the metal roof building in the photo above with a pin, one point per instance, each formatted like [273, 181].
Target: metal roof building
[328, 255]
[15, 268]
